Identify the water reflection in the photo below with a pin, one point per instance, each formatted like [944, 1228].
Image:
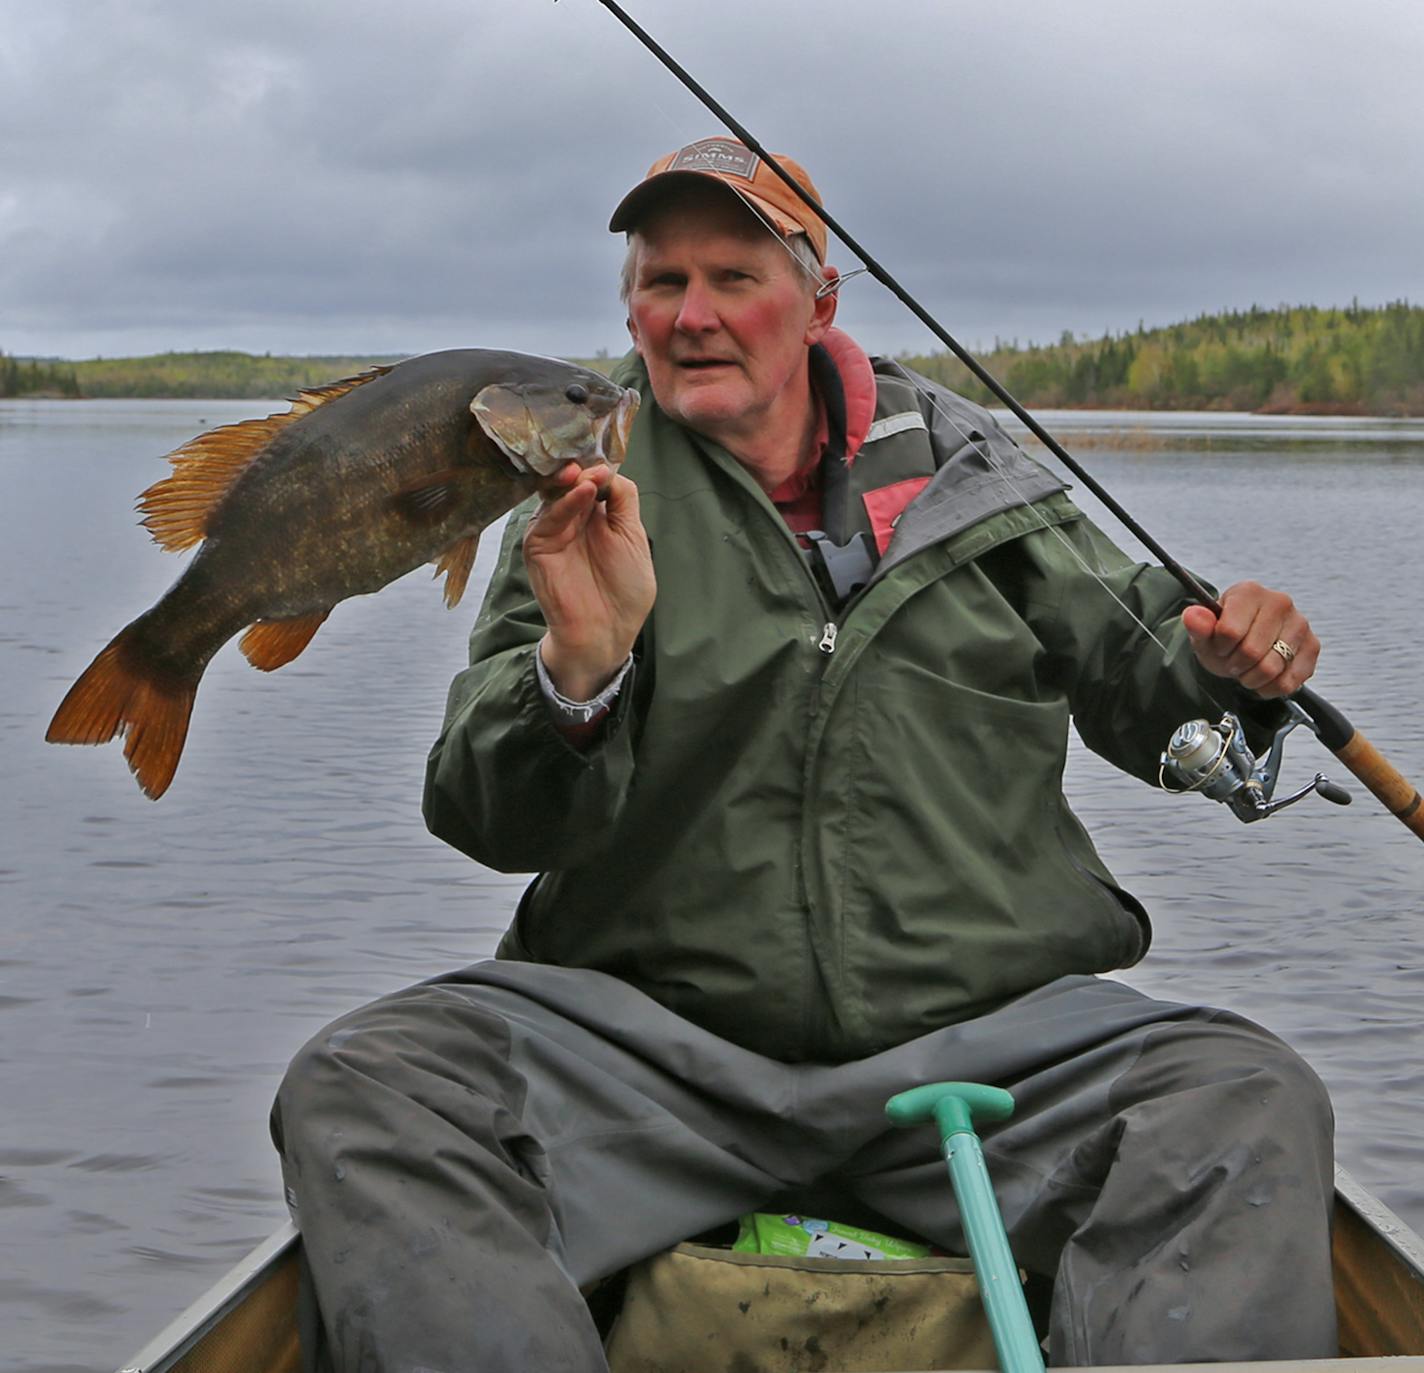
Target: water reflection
[162, 962]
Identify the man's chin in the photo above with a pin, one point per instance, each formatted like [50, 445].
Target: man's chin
[707, 408]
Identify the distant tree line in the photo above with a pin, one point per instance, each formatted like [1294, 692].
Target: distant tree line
[216, 375]
[34, 378]
[1301, 359]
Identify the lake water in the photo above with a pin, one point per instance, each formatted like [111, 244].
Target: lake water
[160, 963]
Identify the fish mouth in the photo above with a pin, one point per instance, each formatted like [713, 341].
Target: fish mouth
[617, 424]
[610, 435]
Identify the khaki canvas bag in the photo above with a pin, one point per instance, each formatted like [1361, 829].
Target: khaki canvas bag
[695, 1309]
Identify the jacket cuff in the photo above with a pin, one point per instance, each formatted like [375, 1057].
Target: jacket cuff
[576, 714]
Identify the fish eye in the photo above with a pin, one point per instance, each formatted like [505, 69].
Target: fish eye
[577, 392]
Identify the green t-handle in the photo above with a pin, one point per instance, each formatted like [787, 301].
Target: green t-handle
[954, 1106]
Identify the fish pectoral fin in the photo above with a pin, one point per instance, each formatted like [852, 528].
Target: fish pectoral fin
[430, 497]
[270, 644]
[176, 510]
[455, 562]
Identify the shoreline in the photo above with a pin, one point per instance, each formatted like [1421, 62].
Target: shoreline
[1305, 410]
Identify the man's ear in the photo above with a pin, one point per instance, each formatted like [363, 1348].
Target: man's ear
[633, 334]
[824, 312]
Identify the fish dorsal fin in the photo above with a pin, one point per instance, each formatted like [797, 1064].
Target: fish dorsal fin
[176, 509]
[307, 401]
[270, 644]
[455, 562]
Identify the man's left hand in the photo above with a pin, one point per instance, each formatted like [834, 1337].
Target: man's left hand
[1261, 640]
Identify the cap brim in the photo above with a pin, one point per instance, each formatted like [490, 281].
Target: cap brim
[647, 193]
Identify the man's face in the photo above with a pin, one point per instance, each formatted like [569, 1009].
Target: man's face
[722, 315]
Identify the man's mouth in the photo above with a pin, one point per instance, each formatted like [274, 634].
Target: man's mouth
[702, 364]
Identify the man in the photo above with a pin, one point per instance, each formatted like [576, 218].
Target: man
[781, 723]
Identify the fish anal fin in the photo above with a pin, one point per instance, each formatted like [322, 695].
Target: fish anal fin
[116, 695]
[456, 562]
[270, 644]
[176, 509]
[428, 498]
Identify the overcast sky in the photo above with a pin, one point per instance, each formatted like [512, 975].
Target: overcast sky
[307, 176]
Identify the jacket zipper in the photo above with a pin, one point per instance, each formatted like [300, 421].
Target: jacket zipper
[828, 638]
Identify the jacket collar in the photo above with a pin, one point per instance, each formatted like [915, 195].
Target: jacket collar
[842, 373]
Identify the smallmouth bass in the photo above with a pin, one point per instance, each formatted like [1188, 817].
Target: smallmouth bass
[360, 482]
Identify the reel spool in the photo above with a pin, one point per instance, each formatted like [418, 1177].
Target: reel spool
[1217, 761]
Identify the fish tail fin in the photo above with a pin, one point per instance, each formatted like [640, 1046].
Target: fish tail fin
[122, 693]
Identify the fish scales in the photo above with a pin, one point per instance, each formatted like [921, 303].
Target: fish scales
[361, 482]
[326, 489]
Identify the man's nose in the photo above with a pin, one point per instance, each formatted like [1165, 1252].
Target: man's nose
[697, 313]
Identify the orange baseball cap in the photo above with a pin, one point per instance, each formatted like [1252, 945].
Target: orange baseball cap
[734, 164]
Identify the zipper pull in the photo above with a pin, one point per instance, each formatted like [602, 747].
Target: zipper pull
[828, 640]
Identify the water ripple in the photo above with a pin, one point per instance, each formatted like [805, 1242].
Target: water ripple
[163, 962]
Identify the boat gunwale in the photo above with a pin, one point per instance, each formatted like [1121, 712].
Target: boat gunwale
[1395, 1233]
[193, 1323]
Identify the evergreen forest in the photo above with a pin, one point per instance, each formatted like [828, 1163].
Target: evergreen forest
[1362, 360]
[181, 376]
[34, 378]
[1290, 360]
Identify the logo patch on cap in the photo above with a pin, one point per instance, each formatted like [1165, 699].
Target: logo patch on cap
[719, 155]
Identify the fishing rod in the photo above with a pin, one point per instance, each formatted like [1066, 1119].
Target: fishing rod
[1213, 759]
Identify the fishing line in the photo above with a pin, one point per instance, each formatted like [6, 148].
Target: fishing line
[1192, 585]
[918, 384]
[833, 285]
[1022, 501]
[1399, 796]
[981, 446]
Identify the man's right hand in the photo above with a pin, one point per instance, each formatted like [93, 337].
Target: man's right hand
[592, 573]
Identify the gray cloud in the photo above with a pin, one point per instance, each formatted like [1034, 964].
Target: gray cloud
[318, 176]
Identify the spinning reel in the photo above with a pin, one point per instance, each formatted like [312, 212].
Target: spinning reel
[1217, 761]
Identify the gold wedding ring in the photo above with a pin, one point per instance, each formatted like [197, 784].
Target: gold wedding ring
[1284, 649]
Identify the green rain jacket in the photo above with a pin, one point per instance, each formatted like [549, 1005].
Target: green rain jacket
[820, 833]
